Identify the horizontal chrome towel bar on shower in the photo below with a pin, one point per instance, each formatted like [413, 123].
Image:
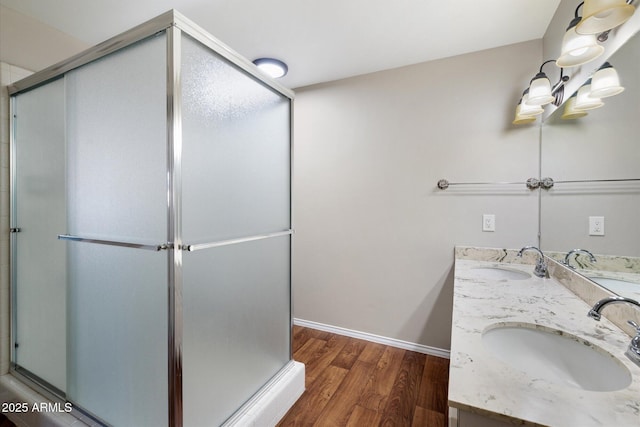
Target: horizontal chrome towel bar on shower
[115, 243]
[164, 246]
[201, 246]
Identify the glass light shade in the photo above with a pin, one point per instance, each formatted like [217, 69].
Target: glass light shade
[521, 119]
[570, 111]
[584, 101]
[601, 15]
[540, 90]
[527, 109]
[577, 48]
[272, 67]
[605, 82]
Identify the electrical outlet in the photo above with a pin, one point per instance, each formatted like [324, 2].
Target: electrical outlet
[488, 222]
[596, 226]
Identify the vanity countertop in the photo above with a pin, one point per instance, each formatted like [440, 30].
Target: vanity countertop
[482, 384]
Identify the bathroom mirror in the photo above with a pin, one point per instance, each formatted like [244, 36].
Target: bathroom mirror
[595, 201]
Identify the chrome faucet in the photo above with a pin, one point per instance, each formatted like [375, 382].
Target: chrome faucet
[541, 266]
[633, 351]
[595, 311]
[577, 251]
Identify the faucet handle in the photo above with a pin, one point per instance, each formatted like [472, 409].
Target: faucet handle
[635, 326]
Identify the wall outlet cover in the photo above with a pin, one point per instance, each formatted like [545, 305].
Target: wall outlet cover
[488, 222]
[596, 226]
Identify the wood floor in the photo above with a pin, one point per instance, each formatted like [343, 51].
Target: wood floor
[356, 383]
[5, 422]
[351, 382]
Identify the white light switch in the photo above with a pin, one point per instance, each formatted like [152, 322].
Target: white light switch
[488, 222]
[596, 226]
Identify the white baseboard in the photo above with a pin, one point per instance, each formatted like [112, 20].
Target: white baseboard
[405, 345]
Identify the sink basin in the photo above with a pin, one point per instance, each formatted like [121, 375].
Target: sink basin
[557, 357]
[499, 273]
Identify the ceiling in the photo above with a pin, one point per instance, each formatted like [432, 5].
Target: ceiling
[320, 40]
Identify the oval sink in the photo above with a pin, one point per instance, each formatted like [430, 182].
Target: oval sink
[499, 273]
[554, 356]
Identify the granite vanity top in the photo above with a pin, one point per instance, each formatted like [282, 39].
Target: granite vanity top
[481, 383]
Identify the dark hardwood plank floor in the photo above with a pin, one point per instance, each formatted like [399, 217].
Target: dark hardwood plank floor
[351, 382]
[5, 422]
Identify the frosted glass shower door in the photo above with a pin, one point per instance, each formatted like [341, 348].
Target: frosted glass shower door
[117, 195]
[40, 282]
[236, 185]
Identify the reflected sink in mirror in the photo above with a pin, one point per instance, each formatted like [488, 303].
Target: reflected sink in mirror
[499, 273]
[556, 357]
[617, 286]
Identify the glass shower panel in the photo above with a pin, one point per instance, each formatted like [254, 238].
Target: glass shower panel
[117, 136]
[40, 213]
[117, 191]
[236, 318]
[236, 150]
[118, 333]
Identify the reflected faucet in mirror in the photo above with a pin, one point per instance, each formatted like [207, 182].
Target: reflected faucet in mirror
[567, 258]
[602, 177]
[541, 269]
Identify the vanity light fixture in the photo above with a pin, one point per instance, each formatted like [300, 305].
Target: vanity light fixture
[605, 82]
[570, 112]
[272, 67]
[522, 119]
[540, 88]
[526, 113]
[584, 100]
[603, 15]
[578, 49]
[526, 109]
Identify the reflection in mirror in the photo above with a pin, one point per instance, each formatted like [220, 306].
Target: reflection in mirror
[594, 160]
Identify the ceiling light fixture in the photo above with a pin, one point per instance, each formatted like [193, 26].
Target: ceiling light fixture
[272, 67]
[603, 15]
[578, 49]
[605, 82]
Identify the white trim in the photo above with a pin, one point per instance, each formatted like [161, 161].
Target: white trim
[419, 348]
[273, 401]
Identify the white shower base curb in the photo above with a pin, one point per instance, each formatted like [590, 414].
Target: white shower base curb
[271, 403]
[266, 408]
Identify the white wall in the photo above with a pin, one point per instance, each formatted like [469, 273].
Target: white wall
[30, 44]
[374, 244]
[373, 249]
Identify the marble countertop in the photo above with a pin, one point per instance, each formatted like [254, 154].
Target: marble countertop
[482, 384]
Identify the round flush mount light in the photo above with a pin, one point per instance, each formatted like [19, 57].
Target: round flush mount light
[272, 67]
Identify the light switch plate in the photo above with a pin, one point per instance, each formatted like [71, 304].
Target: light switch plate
[596, 226]
[488, 222]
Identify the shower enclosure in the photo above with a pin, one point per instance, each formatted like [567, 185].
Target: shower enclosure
[151, 230]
